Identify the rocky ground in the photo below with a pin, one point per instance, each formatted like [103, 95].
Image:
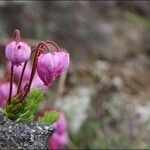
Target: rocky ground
[15, 135]
[105, 93]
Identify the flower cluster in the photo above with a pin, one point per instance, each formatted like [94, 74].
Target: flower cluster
[49, 62]
[47, 65]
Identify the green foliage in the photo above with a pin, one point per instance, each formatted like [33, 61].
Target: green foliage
[13, 110]
[49, 117]
[24, 111]
[32, 103]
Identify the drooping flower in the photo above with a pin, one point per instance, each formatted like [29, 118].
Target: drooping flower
[18, 52]
[51, 65]
[60, 138]
[18, 71]
[38, 83]
[4, 92]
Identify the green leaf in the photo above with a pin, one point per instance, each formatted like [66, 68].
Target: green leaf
[49, 117]
[17, 108]
[24, 110]
[15, 100]
[33, 101]
[26, 119]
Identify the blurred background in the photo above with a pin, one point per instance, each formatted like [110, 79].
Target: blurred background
[105, 93]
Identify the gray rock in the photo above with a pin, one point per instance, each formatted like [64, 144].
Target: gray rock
[17, 135]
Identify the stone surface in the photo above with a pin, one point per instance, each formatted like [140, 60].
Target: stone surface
[16, 135]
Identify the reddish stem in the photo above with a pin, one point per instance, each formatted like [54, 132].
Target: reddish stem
[37, 53]
[21, 77]
[54, 44]
[42, 44]
[36, 49]
[11, 83]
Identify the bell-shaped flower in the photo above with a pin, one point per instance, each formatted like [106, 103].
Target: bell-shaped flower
[4, 92]
[18, 71]
[18, 52]
[38, 83]
[51, 65]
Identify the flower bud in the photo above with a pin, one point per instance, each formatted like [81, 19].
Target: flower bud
[17, 52]
[51, 65]
[4, 92]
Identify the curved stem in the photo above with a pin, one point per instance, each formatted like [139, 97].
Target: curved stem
[42, 44]
[21, 77]
[36, 49]
[37, 53]
[11, 83]
[53, 43]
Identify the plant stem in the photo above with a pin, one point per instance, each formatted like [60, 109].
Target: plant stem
[17, 36]
[37, 53]
[22, 73]
[53, 43]
[11, 83]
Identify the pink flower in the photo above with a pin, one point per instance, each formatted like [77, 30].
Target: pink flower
[60, 137]
[4, 92]
[51, 65]
[18, 52]
[18, 71]
[58, 141]
[38, 83]
[61, 124]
